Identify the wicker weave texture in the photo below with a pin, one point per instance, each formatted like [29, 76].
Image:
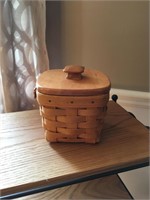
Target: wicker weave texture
[73, 119]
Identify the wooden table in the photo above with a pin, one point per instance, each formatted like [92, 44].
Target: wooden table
[29, 164]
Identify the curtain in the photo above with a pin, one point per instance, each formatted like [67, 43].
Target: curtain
[23, 53]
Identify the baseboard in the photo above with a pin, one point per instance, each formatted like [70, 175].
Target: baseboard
[136, 102]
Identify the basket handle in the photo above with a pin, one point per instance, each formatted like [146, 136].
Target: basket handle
[74, 72]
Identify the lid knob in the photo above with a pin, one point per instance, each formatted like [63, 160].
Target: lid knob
[74, 72]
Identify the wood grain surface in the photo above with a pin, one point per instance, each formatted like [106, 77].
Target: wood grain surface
[29, 161]
[104, 188]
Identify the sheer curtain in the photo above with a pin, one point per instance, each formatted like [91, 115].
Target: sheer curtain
[23, 54]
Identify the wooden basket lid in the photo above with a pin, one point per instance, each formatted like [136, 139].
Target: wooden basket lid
[73, 80]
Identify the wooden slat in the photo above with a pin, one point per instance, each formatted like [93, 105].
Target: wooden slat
[72, 101]
[71, 119]
[91, 112]
[52, 111]
[29, 161]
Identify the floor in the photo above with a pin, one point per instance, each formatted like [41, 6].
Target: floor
[137, 182]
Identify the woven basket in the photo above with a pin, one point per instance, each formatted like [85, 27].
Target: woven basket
[72, 118]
